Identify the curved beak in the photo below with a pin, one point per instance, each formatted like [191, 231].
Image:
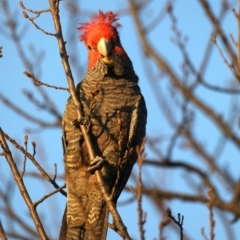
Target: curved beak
[104, 47]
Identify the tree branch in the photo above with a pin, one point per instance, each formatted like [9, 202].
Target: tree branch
[2, 232]
[36, 82]
[22, 187]
[26, 115]
[34, 161]
[186, 92]
[219, 31]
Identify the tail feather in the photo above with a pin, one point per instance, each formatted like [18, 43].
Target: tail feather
[92, 232]
[68, 232]
[98, 231]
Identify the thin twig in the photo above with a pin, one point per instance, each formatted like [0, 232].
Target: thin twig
[33, 11]
[164, 222]
[233, 40]
[114, 227]
[38, 13]
[218, 30]
[212, 198]
[22, 187]
[156, 193]
[48, 195]
[14, 33]
[205, 61]
[178, 222]
[220, 89]
[235, 14]
[171, 163]
[16, 217]
[55, 171]
[230, 65]
[201, 151]
[34, 149]
[54, 6]
[25, 156]
[39, 28]
[47, 104]
[141, 214]
[34, 161]
[203, 234]
[36, 82]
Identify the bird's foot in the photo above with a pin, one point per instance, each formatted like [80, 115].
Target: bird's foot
[96, 164]
[81, 121]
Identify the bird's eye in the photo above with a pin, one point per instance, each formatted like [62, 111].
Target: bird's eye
[89, 48]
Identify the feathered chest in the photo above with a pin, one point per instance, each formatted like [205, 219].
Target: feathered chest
[110, 104]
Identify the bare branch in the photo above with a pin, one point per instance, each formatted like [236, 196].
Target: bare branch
[2, 232]
[36, 82]
[41, 170]
[180, 164]
[141, 215]
[48, 195]
[55, 171]
[38, 13]
[25, 157]
[230, 65]
[8, 210]
[203, 234]
[156, 193]
[22, 187]
[27, 115]
[212, 198]
[33, 11]
[219, 30]
[220, 89]
[187, 93]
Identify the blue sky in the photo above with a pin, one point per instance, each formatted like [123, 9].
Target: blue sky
[193, 24]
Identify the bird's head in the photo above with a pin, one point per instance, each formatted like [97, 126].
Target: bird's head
[100, 36]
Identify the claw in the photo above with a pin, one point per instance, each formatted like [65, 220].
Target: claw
[84, 121]
[81, 121]
[96, 164]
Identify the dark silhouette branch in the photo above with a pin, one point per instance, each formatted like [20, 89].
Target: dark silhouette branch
[178, 222]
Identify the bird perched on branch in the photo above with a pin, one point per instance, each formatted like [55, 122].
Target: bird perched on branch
[115, 116]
